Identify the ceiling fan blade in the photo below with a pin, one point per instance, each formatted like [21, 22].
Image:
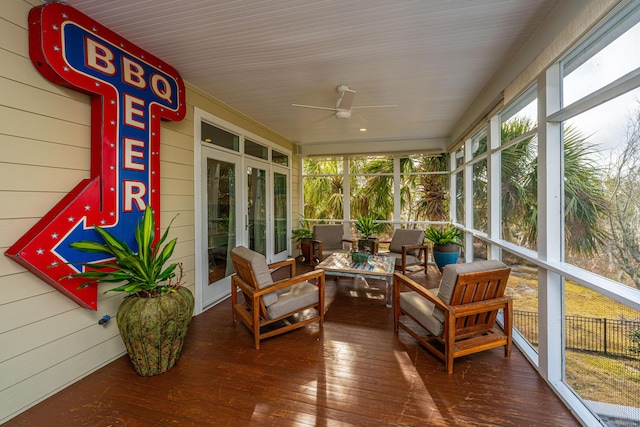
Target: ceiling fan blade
[359, 119]
[346, 99]
[315, 107]
[322, 120]
[375, 106]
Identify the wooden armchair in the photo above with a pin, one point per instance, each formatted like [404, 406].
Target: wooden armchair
[267, 302]
[327, 240]
[460, 319]
[408, 248]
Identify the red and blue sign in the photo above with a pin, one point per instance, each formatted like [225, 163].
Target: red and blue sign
[131, 92]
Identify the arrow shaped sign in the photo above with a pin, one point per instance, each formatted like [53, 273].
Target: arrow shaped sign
[131, 91]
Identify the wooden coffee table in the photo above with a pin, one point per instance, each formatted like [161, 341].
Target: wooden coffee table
[377, 267]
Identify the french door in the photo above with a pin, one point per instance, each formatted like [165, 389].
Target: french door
[266, 210]
[280, 204]
[243, 195]
[256, 207]
[221, 207]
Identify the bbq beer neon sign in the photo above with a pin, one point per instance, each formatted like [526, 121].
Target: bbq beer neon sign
[131, 91]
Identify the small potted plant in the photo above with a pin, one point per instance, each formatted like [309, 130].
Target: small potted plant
[367, 227]
[154, 318]
[303, 236]
[446, 244]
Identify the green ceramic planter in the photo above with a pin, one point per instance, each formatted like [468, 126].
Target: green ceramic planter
[360, 256]
[154, 329]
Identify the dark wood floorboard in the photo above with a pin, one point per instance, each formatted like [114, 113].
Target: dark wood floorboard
[353, 372]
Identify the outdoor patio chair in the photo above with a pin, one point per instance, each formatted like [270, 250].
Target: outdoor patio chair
[459, 318]
[408, 248]
[327, 240]
[279, 304]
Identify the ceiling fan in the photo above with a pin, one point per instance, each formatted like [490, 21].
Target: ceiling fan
[343, 107]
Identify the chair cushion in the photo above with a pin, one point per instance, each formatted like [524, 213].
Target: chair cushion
[329, 234]
[403, 237]
[297, 296]
[260, 271]
[450, 276]
[422, 310]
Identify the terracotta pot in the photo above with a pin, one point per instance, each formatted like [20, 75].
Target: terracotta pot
[154, 329]
[306, 248]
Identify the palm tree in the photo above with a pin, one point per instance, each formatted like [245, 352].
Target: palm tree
[432, 200]
[323, 190]
[585, 204]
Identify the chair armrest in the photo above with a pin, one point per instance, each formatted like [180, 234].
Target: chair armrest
[280, 284]
[479, 306]
[409, 247]
[290, 262]
[285, 283]
[422, 249]
[244, 286]
[352, 242]
[419, 289]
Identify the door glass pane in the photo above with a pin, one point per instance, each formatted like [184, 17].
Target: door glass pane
[280, 212]
[257, 209]
[220, 217]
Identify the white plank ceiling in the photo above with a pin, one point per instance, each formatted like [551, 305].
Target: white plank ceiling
[431, 58]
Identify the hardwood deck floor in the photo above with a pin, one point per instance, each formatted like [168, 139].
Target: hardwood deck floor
[353, 372]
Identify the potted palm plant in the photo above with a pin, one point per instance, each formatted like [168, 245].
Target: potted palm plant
[303, 236]
[446, 244]
[154, 317]
[367, 226]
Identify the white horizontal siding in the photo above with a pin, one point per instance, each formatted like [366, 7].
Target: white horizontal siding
[46, 340]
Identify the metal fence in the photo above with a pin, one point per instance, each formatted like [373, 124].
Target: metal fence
[597, 334]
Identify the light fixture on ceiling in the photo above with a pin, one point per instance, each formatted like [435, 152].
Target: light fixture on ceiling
[363, 129]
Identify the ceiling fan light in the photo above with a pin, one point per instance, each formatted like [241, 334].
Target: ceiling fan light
[343, 114]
